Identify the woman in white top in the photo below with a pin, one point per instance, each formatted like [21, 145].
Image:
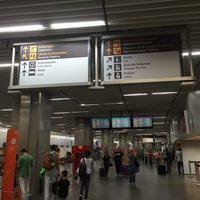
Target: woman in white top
[85, 180]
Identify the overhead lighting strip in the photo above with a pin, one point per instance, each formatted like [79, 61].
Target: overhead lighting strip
[160, 93]
[136, 94]
[59, 99]
[25, 28]
[144, 94]
[77, 24]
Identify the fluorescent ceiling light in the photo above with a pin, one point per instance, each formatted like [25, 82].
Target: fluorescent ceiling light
[114, 103]
[61, 113]
[61, 124]
[91, 104]
[8, 64]
[75, 112]
[6, 110]
[21, 28]
[56, 117]
[194, 53]
[136, 94]
[77, 24]
[159, 117]
[156, 93]
[59, 99]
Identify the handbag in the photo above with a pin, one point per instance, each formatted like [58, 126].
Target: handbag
[82, 168]
[137, 165]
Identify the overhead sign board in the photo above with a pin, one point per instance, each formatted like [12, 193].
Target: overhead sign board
[145, 57]
[54, 63]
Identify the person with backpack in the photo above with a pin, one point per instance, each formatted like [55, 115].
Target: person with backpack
[51, 165]
[85, 178]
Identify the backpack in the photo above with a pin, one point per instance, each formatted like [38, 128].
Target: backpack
[82, 168]
[49, 160]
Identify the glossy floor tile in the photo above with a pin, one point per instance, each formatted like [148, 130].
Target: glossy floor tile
[149, 186]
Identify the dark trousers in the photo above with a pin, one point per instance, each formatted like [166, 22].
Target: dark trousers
[132, 176]
[180, 167]
[118, 167]
[85, 181]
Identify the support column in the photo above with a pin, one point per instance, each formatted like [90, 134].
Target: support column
[110, 142]
[83, 132]
[34, 129]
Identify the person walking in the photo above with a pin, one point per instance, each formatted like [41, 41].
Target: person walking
[179, 160]
[24, 164]
[106, 163]
[117, 156]
[85, 179]
[168, 160]
[157, 157]
[51, 172]
[132, 163]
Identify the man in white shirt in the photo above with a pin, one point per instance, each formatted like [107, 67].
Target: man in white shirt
[179, 160]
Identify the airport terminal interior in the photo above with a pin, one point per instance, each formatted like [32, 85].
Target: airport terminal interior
[103, 74]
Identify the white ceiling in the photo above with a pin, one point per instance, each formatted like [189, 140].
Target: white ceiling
[136, 17]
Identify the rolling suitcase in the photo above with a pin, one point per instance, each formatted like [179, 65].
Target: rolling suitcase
[125, 170]
[161, 169]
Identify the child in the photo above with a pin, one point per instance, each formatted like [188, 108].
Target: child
[63, 186]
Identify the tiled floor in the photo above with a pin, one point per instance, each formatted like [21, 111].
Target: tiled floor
[149, 186]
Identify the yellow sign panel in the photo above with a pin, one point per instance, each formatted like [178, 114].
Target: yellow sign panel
[116, 43]
[117, 51]
[32, 56]
[33, 49]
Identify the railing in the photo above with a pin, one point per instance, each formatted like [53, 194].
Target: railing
[190, 170]
[197, 168]
[197, 171]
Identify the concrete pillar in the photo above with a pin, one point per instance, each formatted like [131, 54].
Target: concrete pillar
[83, 133]
[104, 141]
[110, 142]
[34, 129]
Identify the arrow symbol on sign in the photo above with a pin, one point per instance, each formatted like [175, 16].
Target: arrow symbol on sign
[24, 65]
[24, 56]
[24, 72]
[109, 75]
[109, 59]
[25, 49]
[109, 67]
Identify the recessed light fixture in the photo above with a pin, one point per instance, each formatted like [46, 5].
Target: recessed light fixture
[56, 117]
[77, 24]
[194, 53]
[8, 64]
[114, 103]
[90, 104]
[61, 124]
[136, 94]
[6, 109]
[59, 99]
[21, 28]
[61, 113]
[160, 93]
[76, 112]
